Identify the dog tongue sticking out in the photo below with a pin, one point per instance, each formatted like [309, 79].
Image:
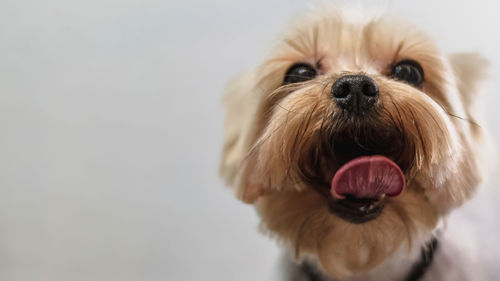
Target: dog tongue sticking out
[368, 177]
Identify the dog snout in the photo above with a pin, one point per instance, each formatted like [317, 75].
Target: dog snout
[355, 93]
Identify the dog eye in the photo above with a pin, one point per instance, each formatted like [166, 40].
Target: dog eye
[299, 72]
[409, 71]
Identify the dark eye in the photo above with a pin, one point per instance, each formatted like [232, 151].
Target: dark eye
[409, 71]
[299, 72]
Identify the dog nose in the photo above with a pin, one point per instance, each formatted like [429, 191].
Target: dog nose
[355, 93]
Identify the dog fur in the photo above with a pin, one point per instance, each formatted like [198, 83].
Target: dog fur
[278, 141]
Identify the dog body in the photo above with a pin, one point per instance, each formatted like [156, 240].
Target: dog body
[454, 260]
[354, 140]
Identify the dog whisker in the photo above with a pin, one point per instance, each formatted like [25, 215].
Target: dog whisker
[464, 119]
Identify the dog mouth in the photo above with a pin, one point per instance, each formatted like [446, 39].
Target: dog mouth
[358, 210]
[366, 179]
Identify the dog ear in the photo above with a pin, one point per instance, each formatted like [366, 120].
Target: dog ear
[469, 70]
[241, 105]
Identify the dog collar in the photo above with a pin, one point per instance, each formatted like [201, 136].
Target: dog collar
[417, 271]
[426, 257]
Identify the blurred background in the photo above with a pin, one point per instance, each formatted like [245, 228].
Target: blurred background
[111, 131]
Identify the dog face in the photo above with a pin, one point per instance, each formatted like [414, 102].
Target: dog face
[353, 139]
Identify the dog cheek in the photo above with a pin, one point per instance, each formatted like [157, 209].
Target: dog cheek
[458, 187]
[445, 166]
[420, 120]
[273, 162]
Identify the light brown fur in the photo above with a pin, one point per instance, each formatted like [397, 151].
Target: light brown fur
[276, 151]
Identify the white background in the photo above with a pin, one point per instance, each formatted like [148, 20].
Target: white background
[111, 131]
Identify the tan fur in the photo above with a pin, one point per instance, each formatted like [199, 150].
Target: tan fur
[275, 152]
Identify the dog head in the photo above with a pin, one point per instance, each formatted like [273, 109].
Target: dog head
[354, 138]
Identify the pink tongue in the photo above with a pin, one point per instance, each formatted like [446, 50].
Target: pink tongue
[368, 177]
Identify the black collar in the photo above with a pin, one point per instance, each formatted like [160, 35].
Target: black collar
[417, 271]
[426, 256]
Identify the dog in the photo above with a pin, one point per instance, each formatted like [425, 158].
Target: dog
[354, 140]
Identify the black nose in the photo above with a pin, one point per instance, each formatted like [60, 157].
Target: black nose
[355, 93]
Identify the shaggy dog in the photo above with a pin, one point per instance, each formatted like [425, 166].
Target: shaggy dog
[354, 140]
